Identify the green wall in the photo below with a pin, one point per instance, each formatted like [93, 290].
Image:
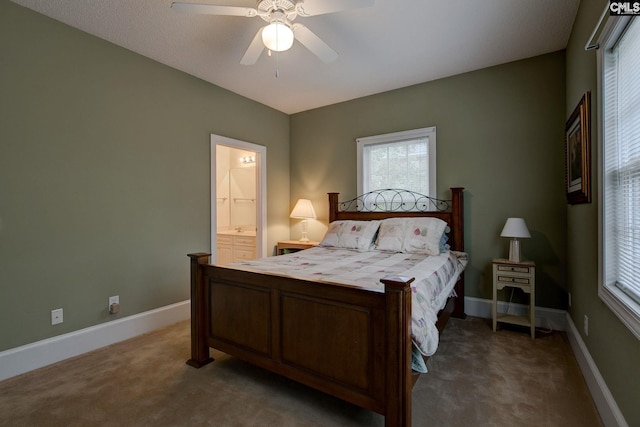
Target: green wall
[500, 135]
[104, 175]
[612, 346]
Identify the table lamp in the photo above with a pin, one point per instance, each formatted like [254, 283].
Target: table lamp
[303, 209]
[515, 228]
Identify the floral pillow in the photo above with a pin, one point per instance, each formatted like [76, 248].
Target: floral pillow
[351, 234]
[391, 234]
[332, 237]
[359, 235]
[423, 235]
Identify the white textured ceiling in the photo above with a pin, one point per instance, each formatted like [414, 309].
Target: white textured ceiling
[393, 44]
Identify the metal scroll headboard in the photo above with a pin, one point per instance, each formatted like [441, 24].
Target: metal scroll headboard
[394, 200]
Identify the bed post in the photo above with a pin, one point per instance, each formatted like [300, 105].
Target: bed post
[457, 224]
[199, 347]
[398, 378]
[333, 206]
[457, 209]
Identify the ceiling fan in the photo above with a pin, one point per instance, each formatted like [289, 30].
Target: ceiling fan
[278, 35]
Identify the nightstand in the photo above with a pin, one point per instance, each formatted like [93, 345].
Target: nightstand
[515, 275]
[288, 246]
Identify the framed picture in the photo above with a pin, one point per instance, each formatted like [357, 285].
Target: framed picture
[577, 134]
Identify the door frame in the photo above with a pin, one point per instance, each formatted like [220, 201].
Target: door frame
[261, 191]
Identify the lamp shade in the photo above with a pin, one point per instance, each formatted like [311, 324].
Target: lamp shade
[277, 37]
[515, 227]
[303, 209]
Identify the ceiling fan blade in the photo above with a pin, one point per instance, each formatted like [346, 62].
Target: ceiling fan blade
[329, 6]
[254, 50]
[212, 9]
[314, 43]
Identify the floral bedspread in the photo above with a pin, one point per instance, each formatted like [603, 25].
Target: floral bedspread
[435, 277]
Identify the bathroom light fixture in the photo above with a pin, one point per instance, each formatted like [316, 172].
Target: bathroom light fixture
[515, 228]
[303, 209]
[248, 159]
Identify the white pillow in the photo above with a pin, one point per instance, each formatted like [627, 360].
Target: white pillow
[359, 234]
[422, 235]
[391, 234]
[332, 237]
[351, 234]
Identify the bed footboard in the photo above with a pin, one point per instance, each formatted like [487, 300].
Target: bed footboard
[349, 342]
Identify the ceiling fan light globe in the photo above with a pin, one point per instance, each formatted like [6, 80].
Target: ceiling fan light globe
[277, 37]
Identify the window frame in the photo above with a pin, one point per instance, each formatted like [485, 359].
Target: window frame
[622, 305]
[427, 132]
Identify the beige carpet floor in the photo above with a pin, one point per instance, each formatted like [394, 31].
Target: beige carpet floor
[477, 378]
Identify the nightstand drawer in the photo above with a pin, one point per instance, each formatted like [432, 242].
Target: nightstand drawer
[513, 279]
[513, 268]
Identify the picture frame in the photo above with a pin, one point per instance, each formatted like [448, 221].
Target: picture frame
[577, 135]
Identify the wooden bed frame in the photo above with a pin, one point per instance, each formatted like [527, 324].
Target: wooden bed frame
[350, 342]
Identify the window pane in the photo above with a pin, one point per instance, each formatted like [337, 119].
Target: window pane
[402, 164]
[401, 160]
[622, 164]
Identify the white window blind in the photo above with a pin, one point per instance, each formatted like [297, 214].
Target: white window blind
[402, 164]
[402, 160]
[621, 164]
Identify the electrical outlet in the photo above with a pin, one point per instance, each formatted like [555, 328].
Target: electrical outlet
[586, 325]
[56, 316]
[114, 300]
[569, 299]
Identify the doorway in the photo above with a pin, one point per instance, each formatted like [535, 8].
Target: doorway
[238, 200]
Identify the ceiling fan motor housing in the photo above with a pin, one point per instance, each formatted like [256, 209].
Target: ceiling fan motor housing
[268, 8]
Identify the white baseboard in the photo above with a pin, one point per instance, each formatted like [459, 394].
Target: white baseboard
[604, 401]
[547, 318]
[32, 356]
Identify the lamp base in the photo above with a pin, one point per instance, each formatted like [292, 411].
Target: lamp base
[304, 237]
[514, 250]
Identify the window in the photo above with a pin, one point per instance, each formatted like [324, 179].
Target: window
[401, 160]
[619, 118]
